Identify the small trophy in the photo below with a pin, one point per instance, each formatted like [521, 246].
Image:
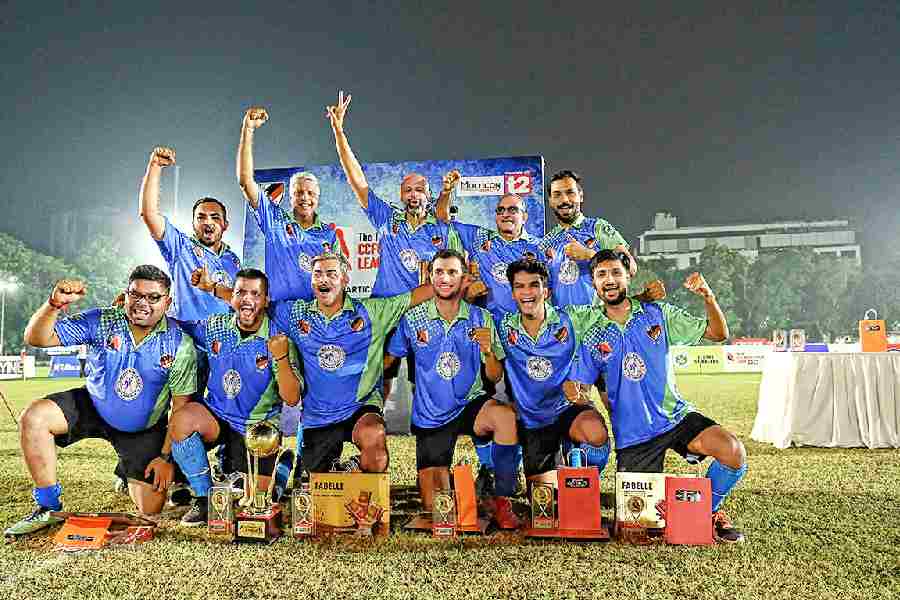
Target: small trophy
[220, 520]
[261, 520]
[543, 506]
[633, 531]
[443, 522]
[779, 340]
[798, 340]
[303, 517]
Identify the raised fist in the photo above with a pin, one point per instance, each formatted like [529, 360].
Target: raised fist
[450, 180]
[278, 345]
[255, 117]
[482, 337]
[67, 291]
[200, 279]
[655, 290]
[697, 284]
[162, 156]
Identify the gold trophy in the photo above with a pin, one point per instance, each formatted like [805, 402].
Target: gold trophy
[543, 509]
[260, 520]
[443, 523]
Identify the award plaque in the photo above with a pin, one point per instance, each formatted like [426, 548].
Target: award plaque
[798, 340]
[543, 506]
[302, 514]
[443, 522]
[779, 340]
[220, 519]
[261, 520]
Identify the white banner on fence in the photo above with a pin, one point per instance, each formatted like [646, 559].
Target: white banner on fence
[11, 367]
[744, 358]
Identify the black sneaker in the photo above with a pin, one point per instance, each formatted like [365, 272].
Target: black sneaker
[725, 530]
[198, 514]
[180, 495]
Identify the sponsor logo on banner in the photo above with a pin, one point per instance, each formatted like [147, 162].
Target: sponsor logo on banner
[681, 359]
[518, 183]
[491, 185]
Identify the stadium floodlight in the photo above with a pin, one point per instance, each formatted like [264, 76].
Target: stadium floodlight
[8, 285]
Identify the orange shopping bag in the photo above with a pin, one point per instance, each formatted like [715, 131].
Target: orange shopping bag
[872, 333]
[83, 533]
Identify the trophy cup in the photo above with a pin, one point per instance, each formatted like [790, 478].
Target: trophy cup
[798, 340]
[543, 506]
[260, 521]
[779, 340]
[220, 519]
[443, 522]
[632, 531]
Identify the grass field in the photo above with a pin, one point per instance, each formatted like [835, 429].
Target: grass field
[820, 523]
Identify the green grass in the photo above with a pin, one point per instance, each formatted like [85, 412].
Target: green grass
[820, 523]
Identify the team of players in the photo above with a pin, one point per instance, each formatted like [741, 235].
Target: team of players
[552, 315]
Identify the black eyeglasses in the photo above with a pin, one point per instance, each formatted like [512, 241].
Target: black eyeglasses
[512, 210]
[150, 298]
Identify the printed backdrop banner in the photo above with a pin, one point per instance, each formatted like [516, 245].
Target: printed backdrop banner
[697, 359]
[483, 182]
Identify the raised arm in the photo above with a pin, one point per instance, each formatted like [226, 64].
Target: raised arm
[253, 119]
[442, 208]
[352, 168]
[160, 158]
[717, 327]
[39, 331]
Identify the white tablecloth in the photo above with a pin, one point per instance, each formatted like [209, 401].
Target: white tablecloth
[830, 400]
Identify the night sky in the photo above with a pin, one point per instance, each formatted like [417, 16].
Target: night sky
[715, 114]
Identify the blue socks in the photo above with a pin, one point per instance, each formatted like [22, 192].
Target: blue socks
[191, 457]
[722, 480]
[597, 456]
[505, 469]
[48, 497]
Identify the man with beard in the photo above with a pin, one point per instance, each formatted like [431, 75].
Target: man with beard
[252, 369]
[292, 237]
[540, 342]
[141, 362]
[184, 254]
[570, 245]
[450, 340]
[341, 345]
[629, 343]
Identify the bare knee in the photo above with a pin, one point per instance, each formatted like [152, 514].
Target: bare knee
[146, 500]
[590, 428]
[734, 455]
[43, 416]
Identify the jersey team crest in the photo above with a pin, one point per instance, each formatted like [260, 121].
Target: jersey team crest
[305, 262]
[633, 367]
[498, 272]
[409, 259]
[568, 272]
[448, 365]
[539, 368]
[129, 384]
[231, 384]
[331, 357]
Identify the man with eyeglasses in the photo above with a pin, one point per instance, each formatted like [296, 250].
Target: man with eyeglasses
[183, 254]
[142, 363]
[569, 247]
[293, 232]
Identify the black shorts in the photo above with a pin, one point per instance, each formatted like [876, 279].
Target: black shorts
[233, 452]
[648, 457]
[434, 446]
[134, 449]
[323, 445]
[539, 445]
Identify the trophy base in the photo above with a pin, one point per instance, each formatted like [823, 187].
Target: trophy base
[254, 527]
[601, 534]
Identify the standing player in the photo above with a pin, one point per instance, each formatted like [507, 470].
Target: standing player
[184, 254]
[252, 370]
[540, 342]
[569, 246]
[293, 237]
[629, 343]
[140, 360]
[450, 340]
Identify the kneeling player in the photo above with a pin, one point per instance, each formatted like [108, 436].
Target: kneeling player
[140, 361]
[540, 342]
[450, 339]
[629, 344]
[252, 370]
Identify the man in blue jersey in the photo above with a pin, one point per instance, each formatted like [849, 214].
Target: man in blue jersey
[253, 369]
[629, 344]
[293, 232]
[540, 342]
[141, 363]
[184, 254]
[569, 246]
[450, 340]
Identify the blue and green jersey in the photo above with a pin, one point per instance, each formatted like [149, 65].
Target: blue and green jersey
[131, 385]
[447, 359]
[634, 359]
[342, 355]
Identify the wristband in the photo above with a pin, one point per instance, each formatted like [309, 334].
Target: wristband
[60, 306]
[281, 357]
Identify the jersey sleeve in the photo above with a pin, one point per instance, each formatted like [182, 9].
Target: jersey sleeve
[386, 312]
[378, 211]
[399, 344]
[682, 328]
[78, 329]
[280, 313]
[171, 243]
[183, 376]
[583, 316]
[607, 236]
